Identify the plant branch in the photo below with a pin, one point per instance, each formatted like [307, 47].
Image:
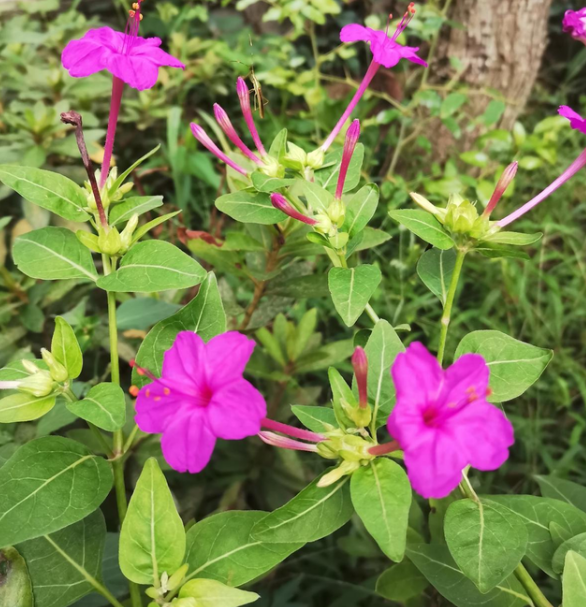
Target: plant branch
[446, 316]
[531, 587]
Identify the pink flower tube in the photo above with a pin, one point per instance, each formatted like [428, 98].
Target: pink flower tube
[228, 128]
[281, 203]
[350, 142]
[204, 139]
[244, 97]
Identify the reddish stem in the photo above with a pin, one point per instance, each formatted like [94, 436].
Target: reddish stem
[385, 448]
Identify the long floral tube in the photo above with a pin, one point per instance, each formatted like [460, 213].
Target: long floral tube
[270, 438]
[204, 139]
[578, 164]
[270, 424]
[228, 128]
[244, 97]
[352, 136]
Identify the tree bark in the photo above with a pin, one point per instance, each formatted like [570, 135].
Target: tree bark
[500, 46]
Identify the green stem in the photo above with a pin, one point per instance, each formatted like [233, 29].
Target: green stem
[118, 438]
[447, 315]
[531, 587]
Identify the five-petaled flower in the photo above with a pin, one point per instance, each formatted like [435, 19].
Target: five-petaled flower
[574, 23]
[200, 396]
[443, 422]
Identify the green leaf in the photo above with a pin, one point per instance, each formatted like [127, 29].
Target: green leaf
[65, 348]
[574, 581]
[514, 365]
[15, 584]
[152, 266]
[381, 349]
[248, 207]
[576, 544]
[47, 189]
[143, 312]
[496, 251]
[517, 239]
[424, 225]
[211, 593]
[485, 541]
[122, 177]
[267, 184]
[22, 407]
[48, 484]
[437, 565]
[314, 513]
[360, 209]
[537, 513]
[342, 396]
[351, 289]
[279, 144]
[316, 419]
[60, 563]
[381, 495]
[203, 315]
[104, 405]
[566, 491]
[452, 103]
[53, 254]
[435, 268]
[221, 548]
[315, 196]
[371, 237]
[147, 227]
[123, 211]
[152, 539]
[401, 582]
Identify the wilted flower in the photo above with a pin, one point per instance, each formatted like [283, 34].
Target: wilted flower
[352, 136]
[501, 187]
[281, 203]
[443, 422]
[200, 396]
[207, 143]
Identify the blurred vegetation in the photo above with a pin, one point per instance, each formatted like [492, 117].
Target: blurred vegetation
[307, 77]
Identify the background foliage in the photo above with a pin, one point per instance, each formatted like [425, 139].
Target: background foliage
[306, 77]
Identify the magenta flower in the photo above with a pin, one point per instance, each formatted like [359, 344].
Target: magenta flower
[385, 51]
[352, 136]
[128, 57]
[574, 23]
[207, 143]
[578, 123]
[200, 396]
[443, 422]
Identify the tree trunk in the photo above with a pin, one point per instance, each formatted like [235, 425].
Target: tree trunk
[500, 46]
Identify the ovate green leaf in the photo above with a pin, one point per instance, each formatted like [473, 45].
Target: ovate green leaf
[211, 593]
[424, 225]
[65, 348]
[248, 207]
[104, 405]
[435, 268]
[351, 290]
[574, 580]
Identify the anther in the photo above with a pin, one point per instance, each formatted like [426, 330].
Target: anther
[133, 391]
[166, 391]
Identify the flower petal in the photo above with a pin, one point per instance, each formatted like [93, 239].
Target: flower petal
[138, 72]
[156, 55]
[464, 382]
[226, 357]
[354, 32]
[410, 53]
[484, 434]
[417, 376]
[188, 443]
[155, 408]
[184, 363]
[435, 466]
[82, 58]
[236, 411]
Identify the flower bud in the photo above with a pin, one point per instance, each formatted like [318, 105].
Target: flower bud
[323, 224]
[88, 240]
[40, 384]
[360, 365]
[271, 167]
[461, 215]
[501, 187]
[315, 159]
[337, 212]
[153, 593]
[128, 232]
[336, 474]
[56, 369]
[29, 366]
[177, 578]
[110, 242]
[327, 449]
[295, 158]
[352, 135]
[421, 201]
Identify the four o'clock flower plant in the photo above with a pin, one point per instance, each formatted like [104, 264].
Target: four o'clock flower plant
[400, 421]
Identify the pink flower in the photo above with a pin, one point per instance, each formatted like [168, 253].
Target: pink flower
[443, 422]
[132, 59]
[574, 23]
[207, 143]
[352, 136]
[201, 396]
[576, 121]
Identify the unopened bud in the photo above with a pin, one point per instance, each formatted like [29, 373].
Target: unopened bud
[29, 366]
[296, 157]
[360, 365]
[327, 449]
[40, 384]
[337, 212]
[315, 159]
[177, 578]
[422, 202]
[461, 215]
[352, 135]
[336, 474]
[271, 167]
[88, 240]
[153, 593]
[501, 187]
[56, 369]
[323, 224]
[110, 242]
[128, 232]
